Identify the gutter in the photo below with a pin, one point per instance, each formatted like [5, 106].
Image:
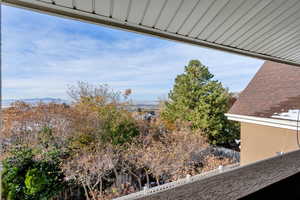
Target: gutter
[278, 123]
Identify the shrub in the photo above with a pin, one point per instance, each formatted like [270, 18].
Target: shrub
[35, 181]
[25, 177]
[119, 126]
[13, 174]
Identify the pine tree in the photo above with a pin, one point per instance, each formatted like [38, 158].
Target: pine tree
[199, 99]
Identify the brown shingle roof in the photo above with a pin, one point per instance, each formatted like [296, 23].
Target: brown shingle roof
[274, 89]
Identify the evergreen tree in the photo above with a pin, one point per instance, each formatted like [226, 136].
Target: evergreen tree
[199, 99]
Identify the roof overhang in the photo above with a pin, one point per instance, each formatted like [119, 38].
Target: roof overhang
[267, 29]
[278, 123]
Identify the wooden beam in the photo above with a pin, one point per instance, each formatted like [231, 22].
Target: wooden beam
[235, 183]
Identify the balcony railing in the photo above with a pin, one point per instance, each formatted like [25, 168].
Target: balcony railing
[226, 183]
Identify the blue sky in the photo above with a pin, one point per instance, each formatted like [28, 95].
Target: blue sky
[42, 55]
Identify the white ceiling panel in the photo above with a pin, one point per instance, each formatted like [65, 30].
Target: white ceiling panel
[269, 39]
[153, 12]
[286, 48]
[282, 39]
[168, 14]
[254, 21]
[48, 1]
[265, 33]
[137, 10]
[86, 5]
[267, 29]
[231, 7]
[102, 7]
[297, 55]
[294, 51]
[212, 11]
[232, 20]
[195, 16]
[277, 34]
[274, 16]
[182, 15]
[67, 3]
[248, 15]
[121, 9]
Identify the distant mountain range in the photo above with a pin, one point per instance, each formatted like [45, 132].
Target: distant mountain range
[8, 102]
[145, 103]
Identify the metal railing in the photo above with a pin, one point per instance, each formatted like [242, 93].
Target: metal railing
[174, 184]
[226, 183]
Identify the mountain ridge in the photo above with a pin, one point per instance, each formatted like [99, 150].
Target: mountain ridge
[8, 102]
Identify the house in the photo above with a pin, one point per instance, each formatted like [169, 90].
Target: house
[268, 110]
[243, 27]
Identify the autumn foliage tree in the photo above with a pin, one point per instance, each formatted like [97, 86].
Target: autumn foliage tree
[94, 148]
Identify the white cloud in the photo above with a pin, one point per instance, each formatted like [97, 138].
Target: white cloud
[44, 61]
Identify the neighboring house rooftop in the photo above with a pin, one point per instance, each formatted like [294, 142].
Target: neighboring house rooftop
[273, 95]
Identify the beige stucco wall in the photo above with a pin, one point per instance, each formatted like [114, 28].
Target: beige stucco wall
[260, 142]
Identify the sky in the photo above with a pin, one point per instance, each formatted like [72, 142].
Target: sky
[43, 55]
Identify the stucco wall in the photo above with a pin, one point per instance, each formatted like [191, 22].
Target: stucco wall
[260, 142]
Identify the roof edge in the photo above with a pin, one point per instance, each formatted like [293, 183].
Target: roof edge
[292, 125]
[88, 17]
